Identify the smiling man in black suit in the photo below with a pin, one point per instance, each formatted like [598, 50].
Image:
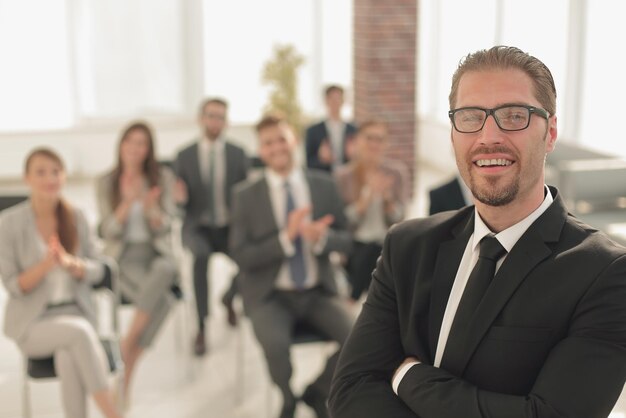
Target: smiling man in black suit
[440, 336]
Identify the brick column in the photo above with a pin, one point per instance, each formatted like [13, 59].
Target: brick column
[385, 42]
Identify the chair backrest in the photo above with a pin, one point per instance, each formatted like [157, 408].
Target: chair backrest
[6, 201]
[305, 333]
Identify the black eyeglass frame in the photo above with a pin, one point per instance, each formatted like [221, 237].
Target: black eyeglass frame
[531, 109]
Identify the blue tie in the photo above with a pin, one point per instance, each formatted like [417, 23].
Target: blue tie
[297, 266]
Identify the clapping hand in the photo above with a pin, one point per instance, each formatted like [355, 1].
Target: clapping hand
[313, 231]
[61, 257]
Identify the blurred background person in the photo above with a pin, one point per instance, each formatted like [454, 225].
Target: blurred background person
[376, 191]
[286, 222]
[207, 170]
[451, 195]
[48, 266]
[328, 142]
[135, 205]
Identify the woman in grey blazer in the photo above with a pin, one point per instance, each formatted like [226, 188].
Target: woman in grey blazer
[375, 191]
[136, 205]
[47, 266]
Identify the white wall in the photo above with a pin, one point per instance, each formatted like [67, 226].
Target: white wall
[92, 150]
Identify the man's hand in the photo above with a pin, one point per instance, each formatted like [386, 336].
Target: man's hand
[313, 231]
[295, 221]
[181, 195]
[325, 153]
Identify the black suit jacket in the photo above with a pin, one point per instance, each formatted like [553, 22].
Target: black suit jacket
[448, 196]
[188, 169]
[254, 242]
[315, 135]
[548, 340]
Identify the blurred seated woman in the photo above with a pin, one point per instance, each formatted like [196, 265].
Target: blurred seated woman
[375, 190]
[136, 205]
[48, 267]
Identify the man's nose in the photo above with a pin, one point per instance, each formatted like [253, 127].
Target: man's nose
[491, 132]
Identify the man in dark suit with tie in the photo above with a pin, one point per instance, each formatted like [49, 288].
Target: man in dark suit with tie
[207, 170]
[285, 223]
[327, 142]
[451, 195]
[440, 336]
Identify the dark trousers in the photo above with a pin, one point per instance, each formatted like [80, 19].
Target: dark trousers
[216, 240]
[275, 320]
[361, 264]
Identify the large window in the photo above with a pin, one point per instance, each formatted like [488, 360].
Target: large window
[35, 83]
[604, 90]
[450, 29]
[237, 45]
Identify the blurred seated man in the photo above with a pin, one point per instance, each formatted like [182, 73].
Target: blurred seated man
[328, 142]
[284, 225]
[452, 195]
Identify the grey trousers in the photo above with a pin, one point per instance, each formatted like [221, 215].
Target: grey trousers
[146, 279]
[274, 322]
[79, 359]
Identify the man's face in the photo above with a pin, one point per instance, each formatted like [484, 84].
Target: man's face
[334, 101]
[520, 155]
[276, 147]
[213, 120]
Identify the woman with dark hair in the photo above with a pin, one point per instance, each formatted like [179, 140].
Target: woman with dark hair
[136, 205]
[47, 265]
[375, 190]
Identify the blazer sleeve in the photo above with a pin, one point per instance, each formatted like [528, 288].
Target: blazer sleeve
[313, 141]
[362, 383]
[9, 264]
[339, 238]
[251, 253]
[94, 269]
[109, 228]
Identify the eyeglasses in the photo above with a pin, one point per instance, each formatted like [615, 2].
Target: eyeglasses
[468, 120]
[216, 116]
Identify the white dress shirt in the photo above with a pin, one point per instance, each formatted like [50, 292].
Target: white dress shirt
[205, 146]
[335, 129]
[137, 230]
[507, 238]
[302, 198]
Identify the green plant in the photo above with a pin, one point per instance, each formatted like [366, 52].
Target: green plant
[281, 73]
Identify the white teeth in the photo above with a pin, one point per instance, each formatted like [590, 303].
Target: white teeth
[494, 161]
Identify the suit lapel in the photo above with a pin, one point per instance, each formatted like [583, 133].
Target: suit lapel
[443, 278]
[194, 164]
[528, 252]
[264, 210]
[317, 197]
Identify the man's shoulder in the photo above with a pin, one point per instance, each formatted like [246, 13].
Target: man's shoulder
[316, 126]
[589, 240]
[190, 148]
[430, 227]
[249, 185]
[230, 144]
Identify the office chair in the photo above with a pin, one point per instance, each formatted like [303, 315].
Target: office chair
[303, 334]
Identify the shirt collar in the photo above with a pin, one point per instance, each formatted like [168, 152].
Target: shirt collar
[275, 180]
[205, 144]
[509, 237]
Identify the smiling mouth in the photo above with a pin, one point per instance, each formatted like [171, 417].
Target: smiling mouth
[494, 162]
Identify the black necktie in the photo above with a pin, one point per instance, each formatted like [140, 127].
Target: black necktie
[490, 252]
[477, 283]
